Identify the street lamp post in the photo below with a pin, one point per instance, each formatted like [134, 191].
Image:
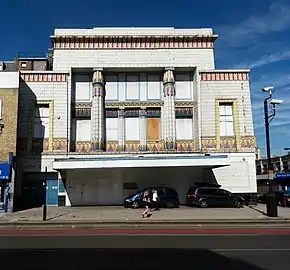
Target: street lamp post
[271, 200]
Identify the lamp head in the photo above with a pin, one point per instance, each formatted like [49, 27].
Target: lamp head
[276, 101]
[268, 89]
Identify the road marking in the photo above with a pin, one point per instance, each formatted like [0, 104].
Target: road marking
[249, 249]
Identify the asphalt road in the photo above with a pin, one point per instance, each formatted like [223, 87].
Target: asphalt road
[137, 251]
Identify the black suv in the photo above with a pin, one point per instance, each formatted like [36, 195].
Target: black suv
[213, 196]
[168, 197]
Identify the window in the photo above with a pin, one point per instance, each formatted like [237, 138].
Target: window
[226, 119]
[112, 87]
[83, 130]
[183, 86]
[112, 129]
[153, 87]
[82, 88]
[132, 129]
[132, 87]
[41, 122]
[184, 129]
[223, 192]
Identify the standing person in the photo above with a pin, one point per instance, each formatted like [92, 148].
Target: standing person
[155, 200]
[146, 201]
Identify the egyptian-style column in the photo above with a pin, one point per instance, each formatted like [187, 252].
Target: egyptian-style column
[121, 129]
[142, 129]
[169, 110]
[98, 112]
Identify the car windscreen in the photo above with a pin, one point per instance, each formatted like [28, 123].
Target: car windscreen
[137, 192]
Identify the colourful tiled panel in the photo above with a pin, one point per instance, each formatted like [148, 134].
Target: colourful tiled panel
[228, 143]
[208, 143]
[60, 144]
[132, 113]
[248, 142]
[183, 112]
[83, 147]
[153, 113]
[111, 113]
[132, 146]
[81, 112]
[185, 146]
[112, 146]
[155, 146]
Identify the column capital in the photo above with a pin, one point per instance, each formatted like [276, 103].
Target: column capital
[98, 77]
[168, 76]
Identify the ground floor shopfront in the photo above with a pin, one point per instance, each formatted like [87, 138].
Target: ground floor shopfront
[106, 180]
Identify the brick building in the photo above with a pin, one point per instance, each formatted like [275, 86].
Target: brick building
[9, 91]
[126, 108]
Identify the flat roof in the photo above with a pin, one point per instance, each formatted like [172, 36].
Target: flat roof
[134, 31]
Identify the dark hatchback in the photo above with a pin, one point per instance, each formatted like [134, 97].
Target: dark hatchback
[168, 197]
[213, 196]
[283, 198]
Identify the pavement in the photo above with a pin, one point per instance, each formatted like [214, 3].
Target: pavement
[93, 216]
[169, 250]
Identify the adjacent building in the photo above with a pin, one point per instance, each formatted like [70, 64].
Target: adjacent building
[9, 91]
[126, 108]
[280, 165]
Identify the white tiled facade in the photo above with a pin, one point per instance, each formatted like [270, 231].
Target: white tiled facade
[137, 90]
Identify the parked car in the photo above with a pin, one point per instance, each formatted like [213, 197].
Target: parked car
[213, 196]
[283, 198]
[168, 197]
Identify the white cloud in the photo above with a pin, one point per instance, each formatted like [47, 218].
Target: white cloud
[276, 19]
[265, 60]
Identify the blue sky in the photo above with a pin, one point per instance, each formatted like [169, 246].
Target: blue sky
[252, 34]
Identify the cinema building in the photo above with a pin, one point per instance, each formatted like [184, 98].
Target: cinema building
[126, 108]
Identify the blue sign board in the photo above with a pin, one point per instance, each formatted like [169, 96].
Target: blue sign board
[4, 171]
[282, 175]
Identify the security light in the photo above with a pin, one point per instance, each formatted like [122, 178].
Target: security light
[276, 101]
[268, 89]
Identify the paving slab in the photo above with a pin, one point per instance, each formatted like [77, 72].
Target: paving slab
[115, 214]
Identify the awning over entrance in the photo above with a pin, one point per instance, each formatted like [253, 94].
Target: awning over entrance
[141, 161]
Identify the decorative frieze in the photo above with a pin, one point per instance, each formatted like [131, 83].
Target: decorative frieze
[111, 113]
[224, 76]
[135, 104]
[129, 113]
[153, 112]
[44, 77]
[185, 146]
[227, 144]
[248, 142]
[184, 112]
[132, 42]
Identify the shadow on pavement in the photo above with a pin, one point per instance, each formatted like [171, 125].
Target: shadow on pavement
[84, 259]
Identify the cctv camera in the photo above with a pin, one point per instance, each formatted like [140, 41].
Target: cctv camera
[276, 101]
[268, 89]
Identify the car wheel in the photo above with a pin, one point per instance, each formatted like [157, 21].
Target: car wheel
[134, 205]
[170, 205]
[203, 204]
[237, 204]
